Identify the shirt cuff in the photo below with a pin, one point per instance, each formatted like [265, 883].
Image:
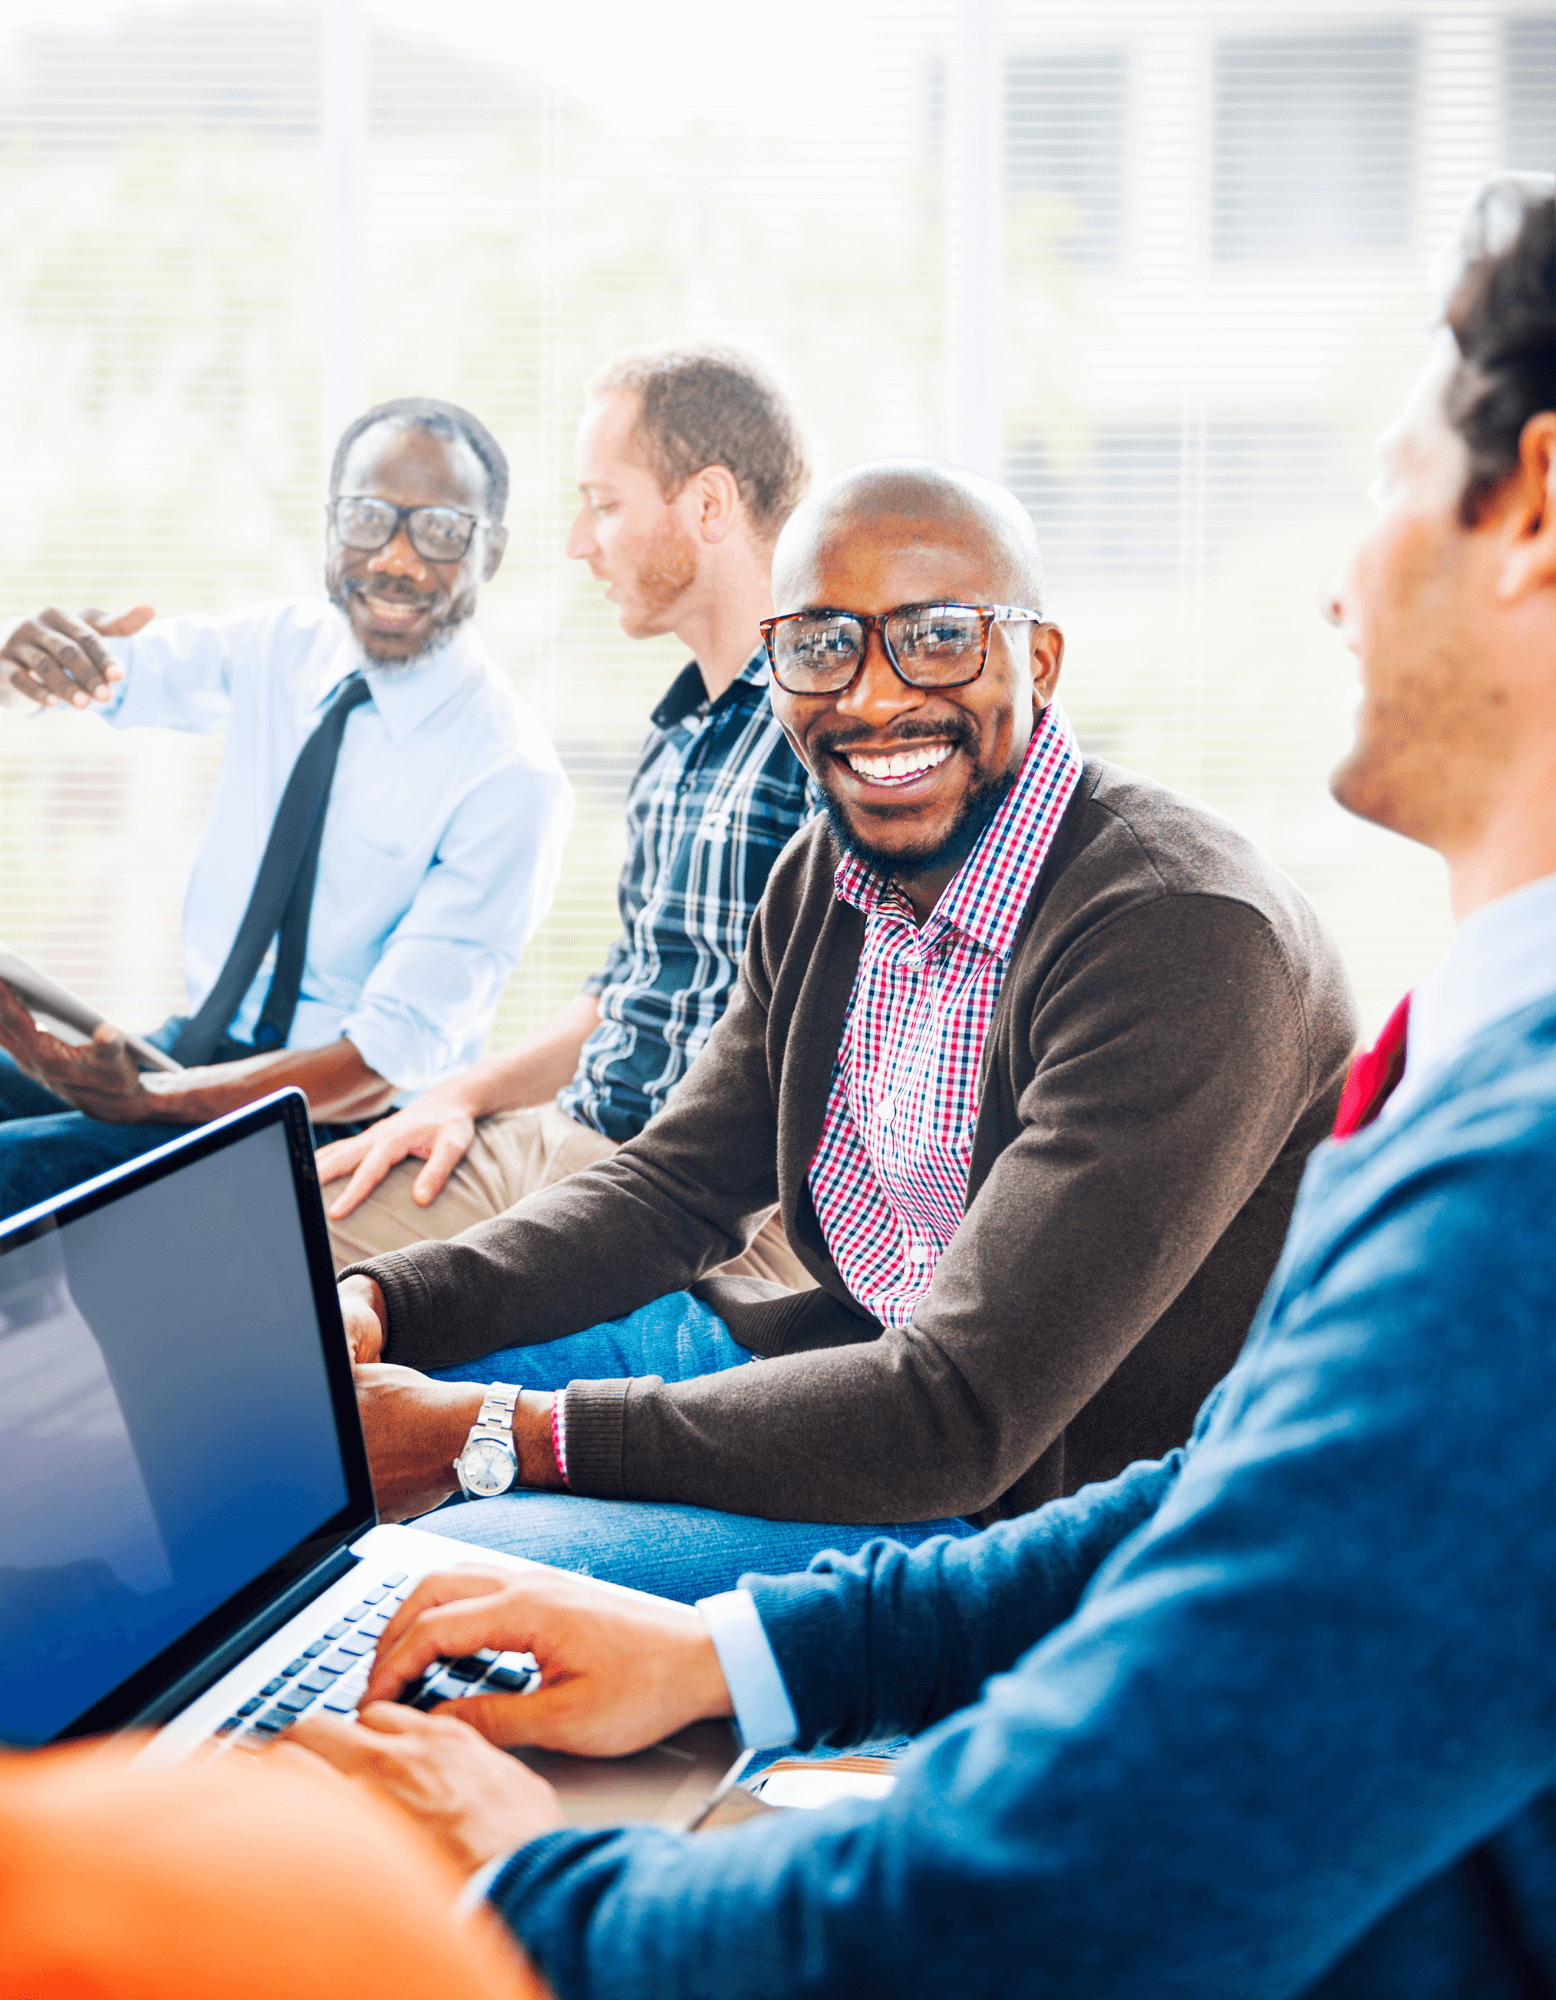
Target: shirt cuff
[763, 1713]
[476, 1890]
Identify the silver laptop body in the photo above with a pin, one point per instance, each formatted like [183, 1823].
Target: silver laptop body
[187, 1530]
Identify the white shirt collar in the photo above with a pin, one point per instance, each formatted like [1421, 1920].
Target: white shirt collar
[405, 696]
[1503, 959]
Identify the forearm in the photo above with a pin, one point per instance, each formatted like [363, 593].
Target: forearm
[531, 1073]
[338, 1084]
[674, 1203]
[892, 1640]
[593, 1248]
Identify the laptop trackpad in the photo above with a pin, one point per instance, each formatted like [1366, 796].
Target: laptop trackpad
[667, 1783]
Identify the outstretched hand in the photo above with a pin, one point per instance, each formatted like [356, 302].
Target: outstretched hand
[619, 1671]
[100, 1077]
[55, 657]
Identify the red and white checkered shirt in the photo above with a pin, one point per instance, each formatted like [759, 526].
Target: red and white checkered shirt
[889, 1177]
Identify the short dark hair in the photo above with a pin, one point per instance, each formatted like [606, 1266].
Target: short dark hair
[702, 406]
[1503, 316]
[448, 420]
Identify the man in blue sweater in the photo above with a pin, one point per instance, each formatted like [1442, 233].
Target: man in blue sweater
[1273, 1716]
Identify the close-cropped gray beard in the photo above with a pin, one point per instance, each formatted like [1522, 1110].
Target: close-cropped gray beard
[442, 636]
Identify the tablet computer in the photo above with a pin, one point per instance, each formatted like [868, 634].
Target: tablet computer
[59, 1009]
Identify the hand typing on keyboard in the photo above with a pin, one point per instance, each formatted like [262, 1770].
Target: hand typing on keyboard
[604, 1672]
[616, 1672]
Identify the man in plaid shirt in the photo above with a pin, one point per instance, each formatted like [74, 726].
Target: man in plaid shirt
[689, 463]
[1030, 1052]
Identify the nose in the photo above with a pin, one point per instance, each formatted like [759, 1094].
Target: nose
[398, 558]
[581, 540]
[1331, 600]
[878, 694]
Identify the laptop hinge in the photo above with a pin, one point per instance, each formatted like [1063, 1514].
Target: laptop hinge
[242, 1642]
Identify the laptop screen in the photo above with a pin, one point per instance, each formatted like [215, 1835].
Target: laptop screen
[167, 1429]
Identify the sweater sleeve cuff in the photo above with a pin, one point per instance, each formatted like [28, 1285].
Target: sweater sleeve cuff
[763, 1713]
[405, 1300]
[817, 1641]
[596, 1437]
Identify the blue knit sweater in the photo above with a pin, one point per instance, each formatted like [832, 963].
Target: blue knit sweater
[1274, 1716]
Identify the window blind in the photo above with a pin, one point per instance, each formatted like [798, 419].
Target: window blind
[1205, 295]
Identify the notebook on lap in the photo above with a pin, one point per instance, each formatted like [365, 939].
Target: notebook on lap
[187, 1533]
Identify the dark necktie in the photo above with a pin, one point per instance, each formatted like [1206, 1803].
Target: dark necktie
[282, 897]
[1374, 1075]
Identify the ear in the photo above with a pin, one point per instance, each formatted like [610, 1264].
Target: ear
[715, 502]
[496, 546]
[1528, 525]
[1047, 661]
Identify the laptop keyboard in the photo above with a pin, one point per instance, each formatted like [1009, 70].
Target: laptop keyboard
[330, 1675]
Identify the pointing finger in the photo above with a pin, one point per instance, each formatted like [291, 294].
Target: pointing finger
[124, 625]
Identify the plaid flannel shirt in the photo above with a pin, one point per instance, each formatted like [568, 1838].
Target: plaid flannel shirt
[889, 1176]
[717, 796]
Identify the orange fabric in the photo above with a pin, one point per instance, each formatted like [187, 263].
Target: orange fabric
[226, 1879]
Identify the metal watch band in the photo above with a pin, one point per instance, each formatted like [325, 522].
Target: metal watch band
[493, 1425]
[495, 1417]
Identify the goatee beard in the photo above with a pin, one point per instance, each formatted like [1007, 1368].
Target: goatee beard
[979, 806]
[441, 636]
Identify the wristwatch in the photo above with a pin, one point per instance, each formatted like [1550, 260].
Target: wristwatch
[489, 1465]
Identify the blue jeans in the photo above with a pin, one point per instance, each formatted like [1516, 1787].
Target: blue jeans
[45, 1147]
[673, 1550]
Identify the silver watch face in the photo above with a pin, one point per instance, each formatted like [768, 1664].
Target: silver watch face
[488, 1467]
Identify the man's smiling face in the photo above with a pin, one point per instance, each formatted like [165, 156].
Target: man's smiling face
[401, 605]
[912, 775]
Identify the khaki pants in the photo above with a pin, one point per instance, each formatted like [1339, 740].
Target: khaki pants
[514, 1154]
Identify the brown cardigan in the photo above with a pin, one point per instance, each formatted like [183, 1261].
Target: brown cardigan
[1168, 1046]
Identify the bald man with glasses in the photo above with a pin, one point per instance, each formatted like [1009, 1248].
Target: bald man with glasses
[1030, 1053]
[384, 837]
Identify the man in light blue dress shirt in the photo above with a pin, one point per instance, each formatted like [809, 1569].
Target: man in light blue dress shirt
[366, 968]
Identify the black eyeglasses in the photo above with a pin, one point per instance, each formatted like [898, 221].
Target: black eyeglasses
[438, 534]
[927, 645]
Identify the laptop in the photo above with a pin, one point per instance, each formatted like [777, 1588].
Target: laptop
[188, 1541]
